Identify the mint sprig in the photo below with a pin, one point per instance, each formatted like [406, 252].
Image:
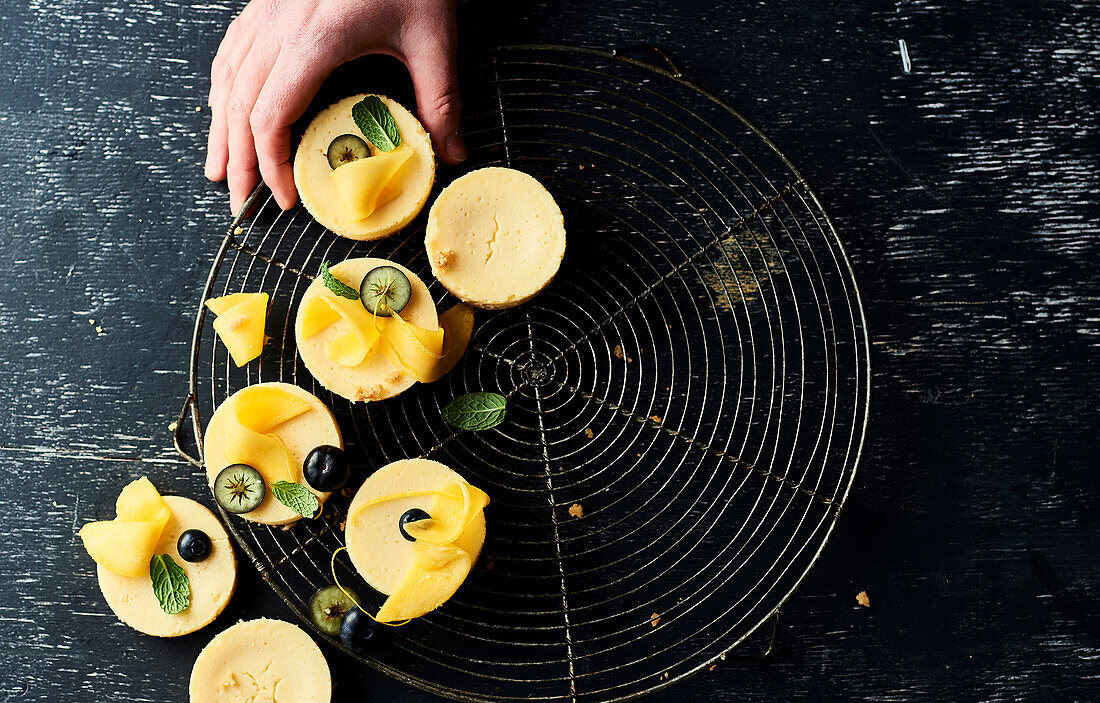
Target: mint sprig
[296, 497]
[337, 286]
[376, 123]
[170, 584]
[476, 411]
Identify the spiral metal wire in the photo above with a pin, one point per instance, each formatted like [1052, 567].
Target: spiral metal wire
[687, 401]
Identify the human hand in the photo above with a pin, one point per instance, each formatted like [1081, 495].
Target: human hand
[276, 54]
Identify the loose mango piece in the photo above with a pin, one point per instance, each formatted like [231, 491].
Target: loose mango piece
[126, 544]
[435, 575]
[412, 348]
[241, 327]
[457, 323]
[218, 306]
[362, 183]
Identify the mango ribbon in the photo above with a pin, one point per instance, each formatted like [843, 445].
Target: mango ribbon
[408, 347]
[364, 185]
[126, 544]
[258, 410]
[436, 557]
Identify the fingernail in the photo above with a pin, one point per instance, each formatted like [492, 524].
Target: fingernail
[234, 206]
[455, 148]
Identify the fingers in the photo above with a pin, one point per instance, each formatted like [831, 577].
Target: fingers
[294, 80]
[430, 57]
[242, 172]
[234, 47]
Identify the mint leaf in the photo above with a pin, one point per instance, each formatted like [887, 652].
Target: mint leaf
[170, 584]
[337, 286]
[476, 411]
[376, 123]
[296, 497]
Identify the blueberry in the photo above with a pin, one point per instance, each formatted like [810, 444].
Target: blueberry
[359, 632]
[326, 468]
[193, 545]
[414, 515]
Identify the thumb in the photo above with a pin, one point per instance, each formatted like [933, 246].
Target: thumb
[432, 63]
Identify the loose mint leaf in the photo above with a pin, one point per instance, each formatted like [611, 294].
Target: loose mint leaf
[296, 497]
[476, 411]
[376, 123]
[337, 286]
[170, 584]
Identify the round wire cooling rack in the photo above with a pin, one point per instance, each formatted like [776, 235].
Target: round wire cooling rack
[687, 400]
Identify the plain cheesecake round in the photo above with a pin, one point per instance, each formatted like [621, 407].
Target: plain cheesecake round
[261, 660]
[212, 580]
[300, 434]
[375, 545]
[495, 237]
[313, 175]
[376, 378]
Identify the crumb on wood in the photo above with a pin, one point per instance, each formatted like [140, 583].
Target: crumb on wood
[863, 599]
[576, 510]
[238, 230]
[654, 619]
[656, 418]
[99, 329]
[589, 433]
[173, 426]
[91, 320]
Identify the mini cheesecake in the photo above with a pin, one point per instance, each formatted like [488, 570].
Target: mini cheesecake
[375, 377]
[261, 660]
[495, 237]
[299, 435]
[384, 557]
[405, 194]
[212, 580]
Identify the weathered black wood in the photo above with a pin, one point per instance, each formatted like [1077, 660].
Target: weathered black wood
[966, 190]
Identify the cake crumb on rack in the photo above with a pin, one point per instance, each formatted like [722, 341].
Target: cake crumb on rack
[238, 230]
[489, 565]
[589, 433]
[654, 619]
[620, 354]
[863, 599]
[712, 667]
[173, 426]
[656, 418]
[576, 510]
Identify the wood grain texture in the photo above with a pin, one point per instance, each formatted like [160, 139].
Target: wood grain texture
[965, 189]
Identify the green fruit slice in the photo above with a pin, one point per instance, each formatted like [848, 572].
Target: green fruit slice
[328, 606]
[239, 488]
[385, 290]
[345, 149]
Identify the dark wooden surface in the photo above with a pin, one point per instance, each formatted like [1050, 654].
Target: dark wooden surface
[966, 190]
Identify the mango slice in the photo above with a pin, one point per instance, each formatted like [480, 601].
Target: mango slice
[415, 349]
[240, 324]
[317, 314]
[358, 333]
[126, 544]
[435, 575]
[362, 184]
[258, 411]
[452, 510]
[457, 323]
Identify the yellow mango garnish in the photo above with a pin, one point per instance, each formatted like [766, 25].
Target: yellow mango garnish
[357, 336]
[457, 323]
[317, 314]
[452, 510]
[435, 575]
[240, 324]
[362, 184]
[258, 410]
[415, 349]
[126, 544]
